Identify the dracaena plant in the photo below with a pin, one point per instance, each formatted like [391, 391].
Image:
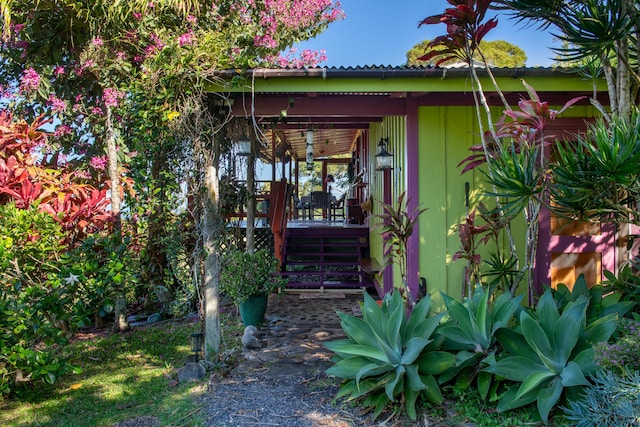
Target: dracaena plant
[396, 226]
[470, 333]
[550, 354]
[389, 355]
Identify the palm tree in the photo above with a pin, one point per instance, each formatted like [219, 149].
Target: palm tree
[598, 32]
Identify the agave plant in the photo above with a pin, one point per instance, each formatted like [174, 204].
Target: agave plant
[470, 332]
[389, 355]
[602, 301]
[550, 354]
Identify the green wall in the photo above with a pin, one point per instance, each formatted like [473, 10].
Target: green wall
[395, 129]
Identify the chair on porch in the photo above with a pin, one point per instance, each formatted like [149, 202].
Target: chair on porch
[337, 208]
[302, 204]
[320, 200]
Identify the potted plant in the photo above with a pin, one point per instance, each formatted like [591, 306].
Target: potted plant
[248, 279]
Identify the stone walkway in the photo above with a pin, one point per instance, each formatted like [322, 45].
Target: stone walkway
[283, 383]
[297, 325]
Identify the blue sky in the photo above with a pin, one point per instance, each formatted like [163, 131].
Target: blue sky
[377, 32]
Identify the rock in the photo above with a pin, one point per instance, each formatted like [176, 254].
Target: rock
[249, 339]
[155, 317]
[191, 372]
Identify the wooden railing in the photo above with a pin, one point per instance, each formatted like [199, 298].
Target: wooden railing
[279, 198]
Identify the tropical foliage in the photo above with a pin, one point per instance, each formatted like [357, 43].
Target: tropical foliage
[396, 226]
[245, 274]
[550, 354]
[470, 333]
[389, 355]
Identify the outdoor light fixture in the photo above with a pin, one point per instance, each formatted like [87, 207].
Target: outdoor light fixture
[196, 344]
[384, 159]
[310, 149]
[243, 145]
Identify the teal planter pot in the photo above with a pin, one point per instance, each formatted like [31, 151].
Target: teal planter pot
[252, 310]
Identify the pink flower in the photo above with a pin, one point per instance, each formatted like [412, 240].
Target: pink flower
[120, 56]
[30, 80]
[111, 97]
[192, 19]
[58, 71]
[186, 39]
[62, 130]
[17, 28]
[99, 163]
[83, 174]
[137, 15]
[97, 111]
[56, 104]
[97, 41]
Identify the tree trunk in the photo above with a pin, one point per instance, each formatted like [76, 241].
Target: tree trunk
[120, 322]
[212, 267]
[251, 202]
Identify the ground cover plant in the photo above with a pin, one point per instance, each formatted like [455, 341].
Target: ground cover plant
[123, 376]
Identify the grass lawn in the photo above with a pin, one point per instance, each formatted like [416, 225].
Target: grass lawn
[123, 376]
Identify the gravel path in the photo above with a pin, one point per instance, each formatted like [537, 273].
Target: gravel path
[283, 383]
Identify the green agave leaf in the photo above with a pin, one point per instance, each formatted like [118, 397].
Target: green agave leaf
[410, 398]
[432, 392]
[426, 327]
[481, 318]
[414, 382]
[457, 339]
[537, 339]
[504, 309]
[547, 399]
[584, 360]
[572, 375]
[372, 370]
[418, 315]
[484, 383]
[349, 367]
[435, 362]
[379, 403]
[374, 315]
[347, 388]
[397, 382]
[515, 368]
[547, 313]
[514, 343]
[569, 328]
[461, 316]
[509, 400]
[357, 329]
[534, 381]
[352, 349]
[600, 330]
[394, 320]
[413, 349]
[368, 386]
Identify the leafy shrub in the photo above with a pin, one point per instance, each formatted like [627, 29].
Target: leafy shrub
[35, 302]
[470, 333]
[388, 355]
[551, 352]
[243, 275]
[102, 268]
[623, 354]
[612, 401]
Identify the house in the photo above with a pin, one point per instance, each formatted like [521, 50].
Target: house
[427, 118]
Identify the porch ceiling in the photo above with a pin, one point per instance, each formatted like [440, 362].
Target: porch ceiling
[337, 119]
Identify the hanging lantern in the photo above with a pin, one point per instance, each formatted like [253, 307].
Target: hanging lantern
[309, 149]
[384, 159]
[243, 146]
